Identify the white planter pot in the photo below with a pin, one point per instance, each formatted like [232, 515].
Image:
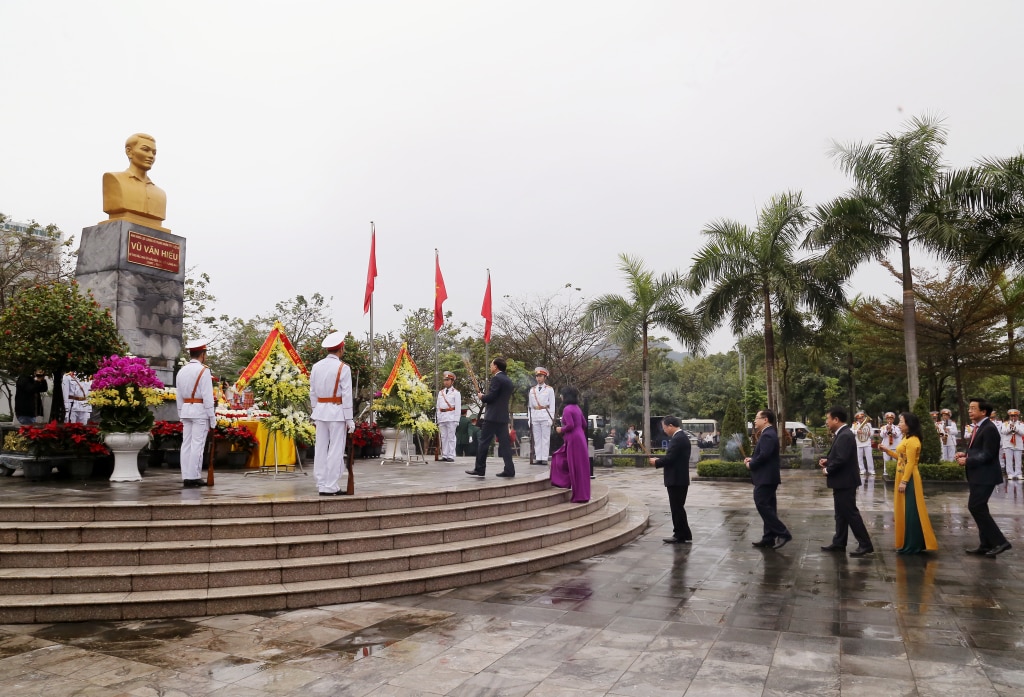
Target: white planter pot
[126, 447]
[394, 444]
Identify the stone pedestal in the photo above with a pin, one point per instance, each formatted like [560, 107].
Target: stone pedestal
[138, 273]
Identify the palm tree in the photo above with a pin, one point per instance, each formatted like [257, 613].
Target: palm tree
[754, 274]
[652, 302]
[901, 195]
[994, 191]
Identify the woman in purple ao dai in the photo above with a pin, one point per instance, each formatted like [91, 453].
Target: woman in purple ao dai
[570, 464]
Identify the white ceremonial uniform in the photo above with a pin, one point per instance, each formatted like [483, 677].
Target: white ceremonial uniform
[865, 460]
[330, 394]
[196, 410]
[1011, 434]
[891, 436]
[542, 415]
[949, 446]
[449, 410]
[76, 405]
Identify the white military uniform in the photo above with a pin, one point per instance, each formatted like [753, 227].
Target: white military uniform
[196, 409]
[1011, 434]
[330, 394]
[76, 404]
[542, 415]
[864, 458]
[449, 410]
[948, 426]
[891, 436]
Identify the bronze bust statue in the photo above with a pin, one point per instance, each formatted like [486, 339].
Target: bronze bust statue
[131, 194]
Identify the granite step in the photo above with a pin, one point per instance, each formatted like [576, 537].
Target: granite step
[221, 550]
[631, 520]
[153, 577]
[214, 508]
[329, 519]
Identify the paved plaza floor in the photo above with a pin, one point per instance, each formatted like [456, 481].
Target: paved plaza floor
[717, 617]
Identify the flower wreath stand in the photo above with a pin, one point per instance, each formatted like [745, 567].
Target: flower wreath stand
[401, 407]
[275, 467]
[280, 384]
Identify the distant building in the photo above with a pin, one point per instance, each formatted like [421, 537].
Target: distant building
[41, 259]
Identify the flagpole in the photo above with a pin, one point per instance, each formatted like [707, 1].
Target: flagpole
[487, 343]
[437, 265]
[373, 387]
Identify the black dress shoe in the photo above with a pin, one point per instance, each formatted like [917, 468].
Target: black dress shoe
[861, 551]
[833, 548]
[781, 542]
[673, 541]
[998, 549]
[475, 473]
[980, 551]
[505, 475]
[192, 483]
[764, 543]
[331, 493]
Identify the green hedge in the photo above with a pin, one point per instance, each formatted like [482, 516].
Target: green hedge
[721, 468]
[942, 472]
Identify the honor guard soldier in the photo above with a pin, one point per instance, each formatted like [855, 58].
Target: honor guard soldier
[948, 434]
[1011, 434]
[449, 410]
[862, 430]
[196, 411]
[76, 399]
[330, 394]
[890, 435]
[542, 415]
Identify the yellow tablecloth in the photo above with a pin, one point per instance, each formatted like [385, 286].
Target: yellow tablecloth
[285, 446]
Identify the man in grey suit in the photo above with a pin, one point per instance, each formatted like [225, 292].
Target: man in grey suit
[675, 464]
[495, 421]
[843, 476]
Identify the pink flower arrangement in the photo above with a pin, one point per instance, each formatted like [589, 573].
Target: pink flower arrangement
[117, 371]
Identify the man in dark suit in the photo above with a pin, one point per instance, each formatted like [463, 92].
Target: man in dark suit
[765, 472]
[983, 476]
[843, 477]
[675, 464]
[495, 421]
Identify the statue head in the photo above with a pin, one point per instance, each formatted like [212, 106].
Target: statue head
[141, 150]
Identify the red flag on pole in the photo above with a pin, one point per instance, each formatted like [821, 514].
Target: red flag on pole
[371, 272]
[440, 294]
[485, 311]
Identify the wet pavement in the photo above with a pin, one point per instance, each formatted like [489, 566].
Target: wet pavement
[717, 617]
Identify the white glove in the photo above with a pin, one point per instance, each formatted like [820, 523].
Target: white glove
[351, 426]
[213, 422]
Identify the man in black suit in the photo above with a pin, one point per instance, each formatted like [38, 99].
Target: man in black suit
[676, 471]
[983, 476]
[495, 421]
[765, 472]
[843, 476]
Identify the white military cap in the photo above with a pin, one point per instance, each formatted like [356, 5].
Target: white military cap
[946, 411]
[449, 374]
[540, 371]
[333, 340]
[197, 344]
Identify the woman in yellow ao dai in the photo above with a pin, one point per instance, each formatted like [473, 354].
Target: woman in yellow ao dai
[914, 532]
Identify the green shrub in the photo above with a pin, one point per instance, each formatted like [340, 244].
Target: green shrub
[931, 446]
[930, 472]
[734, 440]
[721, 468]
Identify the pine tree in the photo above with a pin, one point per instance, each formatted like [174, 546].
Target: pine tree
[734, 443]
[931, 448]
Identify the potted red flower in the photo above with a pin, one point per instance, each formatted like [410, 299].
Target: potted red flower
[233, 445]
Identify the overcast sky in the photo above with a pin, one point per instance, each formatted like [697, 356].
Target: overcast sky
[537, 139]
